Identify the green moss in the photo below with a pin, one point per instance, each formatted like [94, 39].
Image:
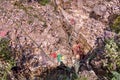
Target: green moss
[43, 2]
[116, 24]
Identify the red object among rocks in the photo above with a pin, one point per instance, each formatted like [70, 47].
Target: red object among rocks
[54, 55]
[72, 21]
[3, 33]
[78, 51]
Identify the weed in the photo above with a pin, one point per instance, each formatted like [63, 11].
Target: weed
[116, 75]
[43, 2]
[6, 60]
[116, 24]
[111, 49]
[4, 51]
[82, 78]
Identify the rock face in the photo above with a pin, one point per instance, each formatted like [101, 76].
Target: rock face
[99, 9]
[31, 26]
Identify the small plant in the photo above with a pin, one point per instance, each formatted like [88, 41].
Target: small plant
[116, 75]
[116, 24]
[82, 78]
[6, 61]
[4, 50]
[43, 2]
[112, 53]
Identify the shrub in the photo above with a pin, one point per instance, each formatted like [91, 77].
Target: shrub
[113, 54]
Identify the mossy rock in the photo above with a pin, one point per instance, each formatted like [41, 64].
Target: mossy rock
[115, 26]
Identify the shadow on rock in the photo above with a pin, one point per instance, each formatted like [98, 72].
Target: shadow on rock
[61, 72]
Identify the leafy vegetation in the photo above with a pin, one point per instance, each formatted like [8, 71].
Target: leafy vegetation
[112, 50]
[5, 51]
[116, 24]
[43, 2]
[113, 54]
[116, 75]
[82, 78]
[6, 61]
